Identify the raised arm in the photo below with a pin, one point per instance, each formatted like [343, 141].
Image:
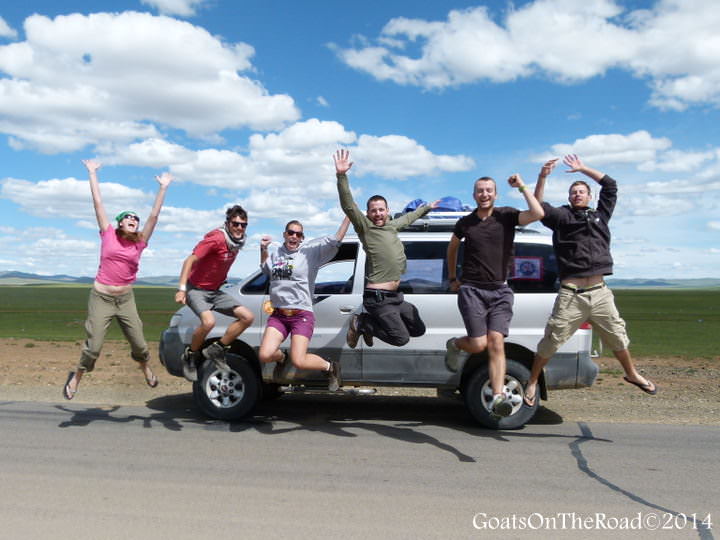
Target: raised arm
[347, 203]
[342, 230]
[92, 167]
[575, 165]
[265, 240]
[164, 180]
[452, 254]
[544, 173]
[535, 211]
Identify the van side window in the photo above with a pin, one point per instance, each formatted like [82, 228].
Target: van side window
[426, 268]
[258, 285]
[337, 276]
[533, 269]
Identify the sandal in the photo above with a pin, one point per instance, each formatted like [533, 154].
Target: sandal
[152, 381]
[530, 400]
[649, 387]
[69, 393]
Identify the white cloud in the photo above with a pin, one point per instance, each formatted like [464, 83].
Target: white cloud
[637, 147]
[678, 161]
[70, 198]
[397, 156]
[674, 45]
[297, 156]
[182, 8]
[6, 31]
[714, 225]
[62, 93]
[322, 101]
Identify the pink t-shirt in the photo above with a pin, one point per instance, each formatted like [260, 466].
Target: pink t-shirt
[119, 258]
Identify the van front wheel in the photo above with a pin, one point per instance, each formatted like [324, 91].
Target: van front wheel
[227, 395]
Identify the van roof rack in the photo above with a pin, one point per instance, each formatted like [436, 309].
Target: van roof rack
[445, 222]
[435, 221]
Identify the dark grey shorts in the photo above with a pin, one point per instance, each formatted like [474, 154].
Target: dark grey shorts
[201, 300]
[483, 310]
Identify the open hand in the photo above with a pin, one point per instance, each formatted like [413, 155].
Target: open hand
[342, 161]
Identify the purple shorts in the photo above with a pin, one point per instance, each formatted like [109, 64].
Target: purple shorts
[301, 322]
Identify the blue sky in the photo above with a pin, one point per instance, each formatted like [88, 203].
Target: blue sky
[244, 102]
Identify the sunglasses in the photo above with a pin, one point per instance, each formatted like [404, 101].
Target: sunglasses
[133, 217]
[242, 224]
[299, 234]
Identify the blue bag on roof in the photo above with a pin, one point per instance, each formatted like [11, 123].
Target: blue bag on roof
[446, 204]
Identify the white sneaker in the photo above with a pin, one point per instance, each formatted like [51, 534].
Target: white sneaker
[334, 377]
[189, 366]
[454, 355]
[501, 405]
[215, 352]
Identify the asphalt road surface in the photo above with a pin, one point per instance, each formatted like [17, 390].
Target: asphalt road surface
[346, 467]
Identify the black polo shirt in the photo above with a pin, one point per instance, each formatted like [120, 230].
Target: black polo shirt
[488, 245]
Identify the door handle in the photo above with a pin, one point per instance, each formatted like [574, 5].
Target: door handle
[347, 309]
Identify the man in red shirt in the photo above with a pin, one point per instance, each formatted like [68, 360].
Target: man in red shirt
[202, 275]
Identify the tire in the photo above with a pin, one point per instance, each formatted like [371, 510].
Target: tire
[228, 395]
[478, 394]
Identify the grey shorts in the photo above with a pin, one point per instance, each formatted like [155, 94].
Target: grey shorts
[201, 300]
[483, 310]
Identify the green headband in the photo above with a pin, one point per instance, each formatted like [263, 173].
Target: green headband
[126, 213]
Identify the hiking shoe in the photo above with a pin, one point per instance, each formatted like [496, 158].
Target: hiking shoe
[215, 352]
[334, 376]
[353, 334]
[454, 355]
[501, 405]
[280, 366]
[189, 364]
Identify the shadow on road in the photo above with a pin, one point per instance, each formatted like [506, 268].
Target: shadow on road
[403, 418]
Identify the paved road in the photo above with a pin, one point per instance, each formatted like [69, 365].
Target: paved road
[344, 467]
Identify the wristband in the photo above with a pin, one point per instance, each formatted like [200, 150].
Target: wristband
[521, 188]
[182, 288]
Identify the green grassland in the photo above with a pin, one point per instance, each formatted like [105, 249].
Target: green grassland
[678, 322]
[57, 313]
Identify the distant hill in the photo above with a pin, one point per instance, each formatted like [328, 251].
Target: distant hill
[22, 278]
[703, 283]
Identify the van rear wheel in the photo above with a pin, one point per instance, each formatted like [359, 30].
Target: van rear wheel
[477, 394]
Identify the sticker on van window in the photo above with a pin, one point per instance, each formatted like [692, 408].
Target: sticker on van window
[529, 268]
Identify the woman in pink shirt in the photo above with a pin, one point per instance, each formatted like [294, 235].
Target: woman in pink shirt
[112, 294]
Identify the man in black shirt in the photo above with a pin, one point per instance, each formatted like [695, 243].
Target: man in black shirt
[581, 239]
[484, 298]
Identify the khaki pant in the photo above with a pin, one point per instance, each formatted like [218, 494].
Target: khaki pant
[102, 308]
[572, 309]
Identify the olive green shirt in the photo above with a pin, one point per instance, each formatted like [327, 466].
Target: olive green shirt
[385, 252]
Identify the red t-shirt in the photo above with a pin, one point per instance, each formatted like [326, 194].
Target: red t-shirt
[214, 261]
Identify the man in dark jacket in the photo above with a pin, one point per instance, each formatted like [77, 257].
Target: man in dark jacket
[581, 239]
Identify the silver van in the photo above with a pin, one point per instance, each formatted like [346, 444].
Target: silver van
[420, 363]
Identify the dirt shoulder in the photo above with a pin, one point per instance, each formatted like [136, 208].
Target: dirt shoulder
[689, 389]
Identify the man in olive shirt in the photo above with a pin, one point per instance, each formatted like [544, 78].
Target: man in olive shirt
[388, 316]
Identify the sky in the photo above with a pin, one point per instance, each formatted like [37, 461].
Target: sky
[245, 101]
